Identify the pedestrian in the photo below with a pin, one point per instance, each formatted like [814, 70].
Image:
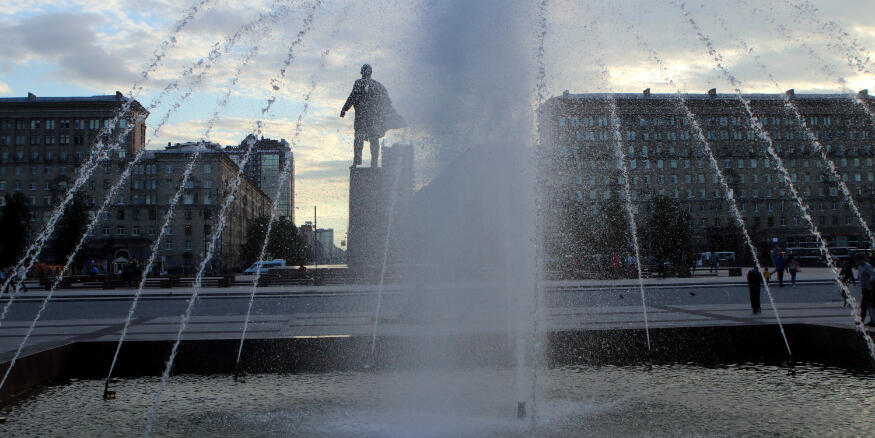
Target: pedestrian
[714, 262]
[766, 274]
[754, 282]
[793, 268]
[780, 267]
[866, 275]
[847, 274]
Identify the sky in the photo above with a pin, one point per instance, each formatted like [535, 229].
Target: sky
[435, 57]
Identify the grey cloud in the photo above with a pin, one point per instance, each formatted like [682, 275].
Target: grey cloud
[67, 39]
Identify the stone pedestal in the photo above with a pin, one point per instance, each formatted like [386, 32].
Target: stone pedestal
[377, 208]
[367, 218]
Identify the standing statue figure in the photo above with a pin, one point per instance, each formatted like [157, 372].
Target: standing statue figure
[374, 115]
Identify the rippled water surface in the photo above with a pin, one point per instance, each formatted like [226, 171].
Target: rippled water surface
[675, 400]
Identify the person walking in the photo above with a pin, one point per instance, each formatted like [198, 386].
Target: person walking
[766, 274]
[715, 263]
[780, 267]
[847, 274]
[793, 268]
[754, 282]
[866, 275]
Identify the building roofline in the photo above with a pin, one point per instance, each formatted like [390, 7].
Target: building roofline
[118, 97]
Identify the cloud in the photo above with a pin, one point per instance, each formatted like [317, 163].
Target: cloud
[69, 41]
[4, 88]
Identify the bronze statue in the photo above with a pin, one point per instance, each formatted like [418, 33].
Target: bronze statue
[374, 115]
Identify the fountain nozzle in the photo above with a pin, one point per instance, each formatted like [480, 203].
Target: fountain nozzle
[107, 394]
[521, 410]
[240, 376]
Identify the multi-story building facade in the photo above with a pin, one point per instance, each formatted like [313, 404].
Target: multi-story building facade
[268, 159]
[579, 162]
[134, 222]
[44, 141]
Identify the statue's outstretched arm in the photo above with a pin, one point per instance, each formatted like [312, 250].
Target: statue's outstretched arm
[353, 98]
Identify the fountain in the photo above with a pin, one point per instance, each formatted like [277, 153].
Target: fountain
[462, 331]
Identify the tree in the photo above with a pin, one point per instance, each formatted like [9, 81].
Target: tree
[285, 242]
[14, 224]
[70, 228]
[612, 230]
[668, 231]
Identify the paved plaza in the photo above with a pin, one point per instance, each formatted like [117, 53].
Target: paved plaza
[348, 310]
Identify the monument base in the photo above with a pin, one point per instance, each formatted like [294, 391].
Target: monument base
[367, 218]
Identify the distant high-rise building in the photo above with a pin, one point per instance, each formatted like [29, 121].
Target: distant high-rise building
[268, 159]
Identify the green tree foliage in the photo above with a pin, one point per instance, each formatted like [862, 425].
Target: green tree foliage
[15, 229]
[285, 242]
[611, 229]
[668, 231]
[70, 228]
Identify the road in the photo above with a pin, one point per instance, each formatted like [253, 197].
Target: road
[278, 300]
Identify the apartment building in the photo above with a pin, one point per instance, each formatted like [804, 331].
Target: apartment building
[579, 165]
[45, 140]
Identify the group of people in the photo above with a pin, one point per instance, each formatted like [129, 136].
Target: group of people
[782, 264]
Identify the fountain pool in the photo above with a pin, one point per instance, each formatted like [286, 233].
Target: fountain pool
[743, 399]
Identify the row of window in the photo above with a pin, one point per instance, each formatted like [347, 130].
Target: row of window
[723, 135]
[700, 178]
[703, 194]
[51, 124]
[152, 169]
[671, 151]
[782, 221]
[136, 214]
[741, 163]
[646, 121]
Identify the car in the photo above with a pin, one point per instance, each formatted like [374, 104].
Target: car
[263, 266]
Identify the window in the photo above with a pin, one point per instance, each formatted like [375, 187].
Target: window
[121, 231]
[188, 229]
[106, 231]
[188, 245]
